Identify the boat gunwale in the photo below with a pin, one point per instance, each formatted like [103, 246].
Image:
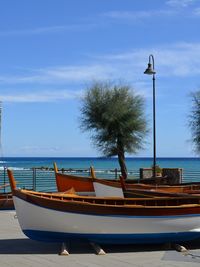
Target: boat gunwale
[94, 201]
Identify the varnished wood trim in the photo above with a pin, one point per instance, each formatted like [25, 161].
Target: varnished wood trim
[13, 185]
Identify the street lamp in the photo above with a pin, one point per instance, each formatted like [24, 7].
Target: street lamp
[151, 71]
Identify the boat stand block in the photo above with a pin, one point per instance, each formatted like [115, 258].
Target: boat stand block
[98, 249]
[64, 251]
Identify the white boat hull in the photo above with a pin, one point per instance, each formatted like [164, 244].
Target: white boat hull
[51, 225]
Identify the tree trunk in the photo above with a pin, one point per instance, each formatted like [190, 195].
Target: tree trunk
[121, 159]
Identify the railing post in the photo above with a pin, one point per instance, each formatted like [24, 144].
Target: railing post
[181, 175]
[4, 179]
[34, 179]
[116, 173]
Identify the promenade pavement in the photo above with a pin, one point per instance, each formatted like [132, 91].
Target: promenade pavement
[16, 250]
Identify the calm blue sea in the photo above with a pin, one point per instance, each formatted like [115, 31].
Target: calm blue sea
[98, 163]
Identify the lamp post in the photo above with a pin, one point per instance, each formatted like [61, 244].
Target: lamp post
[151, 71]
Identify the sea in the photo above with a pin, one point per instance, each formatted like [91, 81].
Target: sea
[133, 163]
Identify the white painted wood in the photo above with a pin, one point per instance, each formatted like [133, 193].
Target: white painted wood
[102, 190]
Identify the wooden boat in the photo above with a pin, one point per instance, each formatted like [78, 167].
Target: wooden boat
[86, 185]
[61, 217]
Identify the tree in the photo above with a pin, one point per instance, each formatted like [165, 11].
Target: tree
[194, 120]
[114, 114]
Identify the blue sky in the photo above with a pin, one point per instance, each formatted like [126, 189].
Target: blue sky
[52, 49]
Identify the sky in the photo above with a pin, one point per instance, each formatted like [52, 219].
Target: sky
[51, 50]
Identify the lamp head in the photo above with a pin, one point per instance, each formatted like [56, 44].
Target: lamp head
[150, 70]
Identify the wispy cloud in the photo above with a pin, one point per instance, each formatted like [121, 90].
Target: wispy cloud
[196, 12]
[92, 23]
[29, 97]
[61, 74]
[50, 29]
[180, 3]
[174, 8]
[175, 60]
[180, 59]
[137, 15]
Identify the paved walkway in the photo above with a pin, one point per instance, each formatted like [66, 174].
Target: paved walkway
[16, 250]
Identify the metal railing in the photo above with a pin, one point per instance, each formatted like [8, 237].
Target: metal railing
[44, 179]
[190, 175]
[33, 179]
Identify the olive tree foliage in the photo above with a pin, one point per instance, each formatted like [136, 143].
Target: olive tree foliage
[114, 115]
[194, 120]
